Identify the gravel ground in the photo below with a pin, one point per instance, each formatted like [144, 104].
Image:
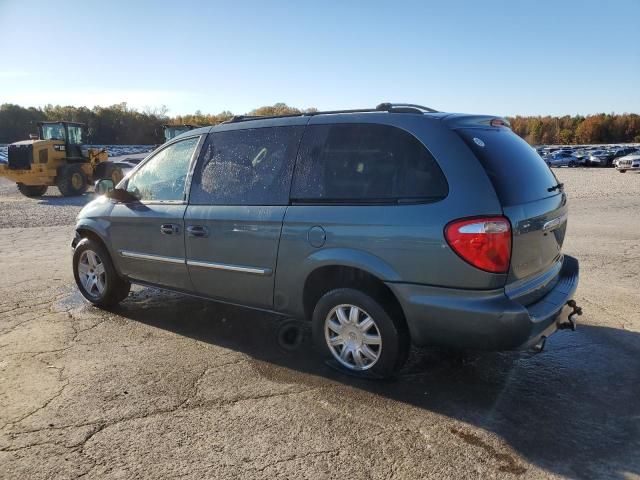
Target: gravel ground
[52, 209]
[166, 386]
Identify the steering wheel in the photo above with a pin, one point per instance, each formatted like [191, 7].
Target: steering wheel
[177, 186]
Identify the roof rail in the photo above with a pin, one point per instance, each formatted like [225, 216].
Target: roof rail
[404, 108]
[383, 107]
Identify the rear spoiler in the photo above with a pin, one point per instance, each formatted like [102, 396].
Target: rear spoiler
[460, 120]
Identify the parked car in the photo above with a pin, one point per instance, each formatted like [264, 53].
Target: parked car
[628, 162]
[582, 156]
[622, 152]
[563, 159]
[601, 158]
[381, 227]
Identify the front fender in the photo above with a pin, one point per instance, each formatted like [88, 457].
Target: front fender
[98, 227]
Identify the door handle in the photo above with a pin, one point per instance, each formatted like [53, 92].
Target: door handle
[197, 231]
[169, 228]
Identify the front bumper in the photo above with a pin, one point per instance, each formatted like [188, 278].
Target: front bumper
[485, 320]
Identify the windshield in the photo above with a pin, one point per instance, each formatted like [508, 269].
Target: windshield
[53, 131]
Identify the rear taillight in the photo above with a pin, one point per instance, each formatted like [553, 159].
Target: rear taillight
[485, 243]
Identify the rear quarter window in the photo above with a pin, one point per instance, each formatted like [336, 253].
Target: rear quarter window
[517, 172]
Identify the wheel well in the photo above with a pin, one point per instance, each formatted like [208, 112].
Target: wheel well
[86, 233]
[325, 279]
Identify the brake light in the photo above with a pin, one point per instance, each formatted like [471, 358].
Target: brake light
[499, 122]
[485, 243]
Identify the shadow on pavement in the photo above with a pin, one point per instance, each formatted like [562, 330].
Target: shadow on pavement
[573, 410]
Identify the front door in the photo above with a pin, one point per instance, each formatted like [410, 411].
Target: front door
[147, 235]
[239, 195]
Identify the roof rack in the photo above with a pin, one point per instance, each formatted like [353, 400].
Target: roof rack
[404, 108]
[383, 107]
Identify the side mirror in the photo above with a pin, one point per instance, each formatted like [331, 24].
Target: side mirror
[104, 186]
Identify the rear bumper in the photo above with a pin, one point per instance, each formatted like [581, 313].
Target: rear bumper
[486, 320]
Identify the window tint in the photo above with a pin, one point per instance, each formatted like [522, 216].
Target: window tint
[162, 177]
[365, 163]
[246, 167]
[516, 170]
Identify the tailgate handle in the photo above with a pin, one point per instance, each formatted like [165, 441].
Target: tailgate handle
[197, 231]
[553, 223]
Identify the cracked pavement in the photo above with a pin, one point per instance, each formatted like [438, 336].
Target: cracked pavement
[166, 386]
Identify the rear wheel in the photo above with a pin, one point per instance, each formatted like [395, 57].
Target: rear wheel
[622, 171]
[32, 190]
[96, 276]
[354, 330]
[72, 180]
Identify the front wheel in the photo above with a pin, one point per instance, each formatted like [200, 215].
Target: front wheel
[96, 276]
[32, 190]
[622, 171]
[72, 180]
[354, 330]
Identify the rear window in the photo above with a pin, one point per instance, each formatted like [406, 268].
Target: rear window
[365, 163]
[517, 172]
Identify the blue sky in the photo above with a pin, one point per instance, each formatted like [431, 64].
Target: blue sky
[500, 57]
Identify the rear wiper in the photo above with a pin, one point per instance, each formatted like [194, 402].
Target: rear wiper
[559, 186]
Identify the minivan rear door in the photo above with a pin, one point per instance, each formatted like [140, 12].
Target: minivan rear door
[531, 197]
[238, 199]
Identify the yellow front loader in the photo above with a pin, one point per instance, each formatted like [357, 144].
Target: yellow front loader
[57, 158]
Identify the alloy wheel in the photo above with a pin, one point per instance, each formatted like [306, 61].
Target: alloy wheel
[92, 273]
[353, 337]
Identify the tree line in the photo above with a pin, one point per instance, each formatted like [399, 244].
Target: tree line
[120, 124]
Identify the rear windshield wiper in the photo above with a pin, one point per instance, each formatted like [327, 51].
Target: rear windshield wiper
[559, 186]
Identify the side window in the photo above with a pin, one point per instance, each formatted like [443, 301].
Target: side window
[75, 135]
[163, 176]
[365, 163]
[246, 167]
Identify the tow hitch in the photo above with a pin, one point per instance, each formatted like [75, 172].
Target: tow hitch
[571, 323]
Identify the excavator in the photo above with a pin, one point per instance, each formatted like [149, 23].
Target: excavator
[57, 157]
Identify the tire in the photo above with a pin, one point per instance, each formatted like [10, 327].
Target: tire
[72, 180]
[107, 170]
[388, 356]
[32, 190]
[622, 171]
[114, 288]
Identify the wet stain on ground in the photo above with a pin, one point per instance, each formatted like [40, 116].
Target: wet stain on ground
[507, 462]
